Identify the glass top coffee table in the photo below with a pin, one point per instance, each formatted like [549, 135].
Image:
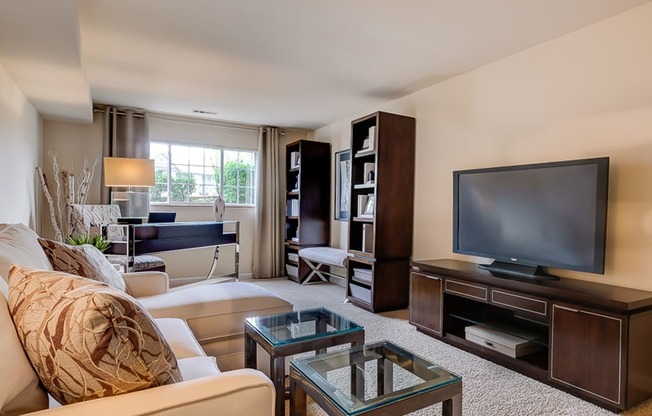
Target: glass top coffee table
[292, 333]
[373, 379]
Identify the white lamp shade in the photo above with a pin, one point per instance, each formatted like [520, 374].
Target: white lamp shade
[124, 171]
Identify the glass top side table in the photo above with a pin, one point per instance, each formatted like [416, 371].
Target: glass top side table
[293, 333]
[301, 326]
[375, 378]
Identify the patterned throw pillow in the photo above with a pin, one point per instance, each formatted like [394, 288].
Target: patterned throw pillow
[85, 339]
[85, 261]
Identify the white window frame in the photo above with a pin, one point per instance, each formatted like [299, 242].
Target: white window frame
[221, 149]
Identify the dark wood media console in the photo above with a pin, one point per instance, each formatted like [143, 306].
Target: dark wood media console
[592, 340]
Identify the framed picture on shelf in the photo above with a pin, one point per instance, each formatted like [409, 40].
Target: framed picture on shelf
[342, 184]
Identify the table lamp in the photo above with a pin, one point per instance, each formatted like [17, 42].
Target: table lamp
[130, 173]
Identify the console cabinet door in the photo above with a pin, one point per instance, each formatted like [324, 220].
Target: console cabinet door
[586, 351]
[426, 302]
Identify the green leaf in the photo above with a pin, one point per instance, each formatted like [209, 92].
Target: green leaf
[98, 241]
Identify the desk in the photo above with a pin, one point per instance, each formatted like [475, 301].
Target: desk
[151, 238]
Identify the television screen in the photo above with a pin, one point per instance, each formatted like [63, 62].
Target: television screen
[546, 214]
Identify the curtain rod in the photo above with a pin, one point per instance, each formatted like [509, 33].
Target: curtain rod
[120, 113]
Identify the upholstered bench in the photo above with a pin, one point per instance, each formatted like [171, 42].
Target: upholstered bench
[316, 258]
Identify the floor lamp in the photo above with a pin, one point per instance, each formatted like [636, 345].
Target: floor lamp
[130, 173]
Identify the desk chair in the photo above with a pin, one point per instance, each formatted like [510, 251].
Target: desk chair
[97, 219]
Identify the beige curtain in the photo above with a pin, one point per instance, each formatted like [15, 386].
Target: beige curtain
[126, 134]
[268, 241]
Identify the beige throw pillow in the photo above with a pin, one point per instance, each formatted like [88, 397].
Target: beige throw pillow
[85, 339]
[85, 261]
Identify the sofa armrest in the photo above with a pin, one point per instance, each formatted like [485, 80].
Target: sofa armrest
[232, 393]
[141, 284]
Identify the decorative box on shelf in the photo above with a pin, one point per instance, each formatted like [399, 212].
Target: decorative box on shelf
[360, 292]
[362, 275]
[501, 339]
[292, 271]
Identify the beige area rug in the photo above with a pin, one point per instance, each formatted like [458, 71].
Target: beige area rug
[489, 389]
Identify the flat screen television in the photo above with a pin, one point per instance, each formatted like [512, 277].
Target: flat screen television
[530, 217]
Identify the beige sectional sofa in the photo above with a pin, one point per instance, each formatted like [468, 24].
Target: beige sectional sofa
[199, 323]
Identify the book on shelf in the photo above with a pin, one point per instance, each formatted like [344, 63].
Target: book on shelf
[369, 143]
[369, 170]
[364, 152]
[369, 207]
[295, 160]
[372, 137]
[295, 239]
[292, 207]
[362, 203]
[368, 238]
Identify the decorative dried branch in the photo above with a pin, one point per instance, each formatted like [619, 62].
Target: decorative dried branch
[69, 195]
[57, 229]
[82, 183]
[61, 215]
[55, 171]
[85, 183]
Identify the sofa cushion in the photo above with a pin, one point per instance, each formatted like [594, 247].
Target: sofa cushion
[18, 244]
[84, 260]
[24, 393]
[86, 339]
[197, 367]
[216, 310]
[180, 338]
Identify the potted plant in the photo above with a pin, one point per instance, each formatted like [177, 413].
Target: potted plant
[99, 241]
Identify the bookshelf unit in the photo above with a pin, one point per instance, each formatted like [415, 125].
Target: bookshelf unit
[382, 205]
[307, 200]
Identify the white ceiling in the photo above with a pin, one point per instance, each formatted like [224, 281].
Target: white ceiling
[290, 63]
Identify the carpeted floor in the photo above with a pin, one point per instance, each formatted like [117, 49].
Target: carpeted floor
[489, 389]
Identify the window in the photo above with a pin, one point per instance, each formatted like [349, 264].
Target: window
[197, 173]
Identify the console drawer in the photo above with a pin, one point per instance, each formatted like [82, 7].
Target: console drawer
[467, 290]
[519, 302]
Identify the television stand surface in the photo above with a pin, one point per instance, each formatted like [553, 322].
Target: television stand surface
[509, 270]
[592, 339]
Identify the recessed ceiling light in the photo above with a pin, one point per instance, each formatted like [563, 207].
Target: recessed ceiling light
[204, 112]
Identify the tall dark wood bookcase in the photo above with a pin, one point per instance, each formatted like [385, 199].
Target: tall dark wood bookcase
[380, 231]
[307, 197]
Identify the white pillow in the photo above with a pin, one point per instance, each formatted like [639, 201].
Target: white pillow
[4, 289]
[19, 244]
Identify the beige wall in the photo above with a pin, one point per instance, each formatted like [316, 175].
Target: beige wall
[585, 94]
[73, 142]
[20, 154]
